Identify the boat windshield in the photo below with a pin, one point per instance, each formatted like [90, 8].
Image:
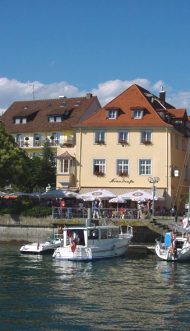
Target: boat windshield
[76, 235]
[109, 233]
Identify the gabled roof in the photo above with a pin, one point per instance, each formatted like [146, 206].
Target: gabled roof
[65, 155]
[72, 111]
[155, 111]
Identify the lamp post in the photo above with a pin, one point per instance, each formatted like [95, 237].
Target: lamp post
[153, 181]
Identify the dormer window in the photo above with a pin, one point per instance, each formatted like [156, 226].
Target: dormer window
[137, 113]
[53, 119]
[112, 114]
[20, 120]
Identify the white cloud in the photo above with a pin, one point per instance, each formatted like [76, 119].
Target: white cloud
[12, 90]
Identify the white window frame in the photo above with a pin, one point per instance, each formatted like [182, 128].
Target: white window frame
[122, 166]
[112, 114]
[146, 136]
[99, 165]
[145, 167]
[65, 166]
[51, 119]
[58, 119]
[56, 136]
[100, 137]
[137, 114]
[123, 136]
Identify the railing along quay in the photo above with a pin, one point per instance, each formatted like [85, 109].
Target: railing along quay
[70, 213]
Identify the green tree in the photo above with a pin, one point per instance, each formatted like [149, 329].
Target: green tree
[21, 172]
[13, 161]
[42, 169]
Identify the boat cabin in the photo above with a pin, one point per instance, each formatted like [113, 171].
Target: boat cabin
[87, 235]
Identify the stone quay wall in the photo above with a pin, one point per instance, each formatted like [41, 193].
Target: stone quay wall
[29, 229]
[26, 229]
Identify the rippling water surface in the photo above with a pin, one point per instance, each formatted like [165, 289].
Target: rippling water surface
[135, 292]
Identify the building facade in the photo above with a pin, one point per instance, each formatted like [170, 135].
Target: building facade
[31, 123]
[134, 140]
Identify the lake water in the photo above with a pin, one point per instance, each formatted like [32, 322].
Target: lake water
[135, 292]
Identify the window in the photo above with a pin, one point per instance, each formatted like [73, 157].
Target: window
[122, 167]
[100, 137]
[146, 137]
[112, 114]
[58, 118]
[19, 140]
[64, 166]
[55, 138]
[145, 167]
[123, 137]
[137, 114]
[53, 119]
[99, 167]
[20, 120]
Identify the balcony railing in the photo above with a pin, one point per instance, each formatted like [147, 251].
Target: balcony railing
[40, 143]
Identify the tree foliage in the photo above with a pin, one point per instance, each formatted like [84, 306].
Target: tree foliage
[43, 169]
[21, 172]
[13, 161]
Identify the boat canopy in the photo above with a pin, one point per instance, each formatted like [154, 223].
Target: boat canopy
[167, 239]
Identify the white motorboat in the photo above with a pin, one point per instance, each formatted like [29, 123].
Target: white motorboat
[90, 242]
[176, 245]
[44, 247]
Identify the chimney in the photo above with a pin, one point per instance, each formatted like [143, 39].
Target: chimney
[162, 95]
[88, 96]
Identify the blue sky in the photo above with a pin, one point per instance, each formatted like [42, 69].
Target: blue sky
[70, 47]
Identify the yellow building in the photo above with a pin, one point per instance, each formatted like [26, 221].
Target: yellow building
[136, 139]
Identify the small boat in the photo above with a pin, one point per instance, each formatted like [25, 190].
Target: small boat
[45, 247]
[91, 242]
[176, 245]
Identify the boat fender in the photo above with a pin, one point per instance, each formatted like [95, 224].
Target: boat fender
[173, 243]
[73, 246]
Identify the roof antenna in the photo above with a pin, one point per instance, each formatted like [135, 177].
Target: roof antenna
[32, 85]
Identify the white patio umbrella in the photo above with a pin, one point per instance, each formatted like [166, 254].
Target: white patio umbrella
[117, 200]
[101, 194]
[138, 195]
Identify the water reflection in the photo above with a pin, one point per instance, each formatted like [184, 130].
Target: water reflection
[130, 293]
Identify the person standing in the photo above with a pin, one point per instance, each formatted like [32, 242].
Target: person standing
[95, 209]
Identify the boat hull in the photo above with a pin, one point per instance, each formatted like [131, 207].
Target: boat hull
[81, 253]
[167, 254]
[36, 248]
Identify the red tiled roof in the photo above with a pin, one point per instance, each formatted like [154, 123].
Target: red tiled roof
[37, 112]
[134, 97]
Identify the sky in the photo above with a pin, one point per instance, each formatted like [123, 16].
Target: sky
[50, 48]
